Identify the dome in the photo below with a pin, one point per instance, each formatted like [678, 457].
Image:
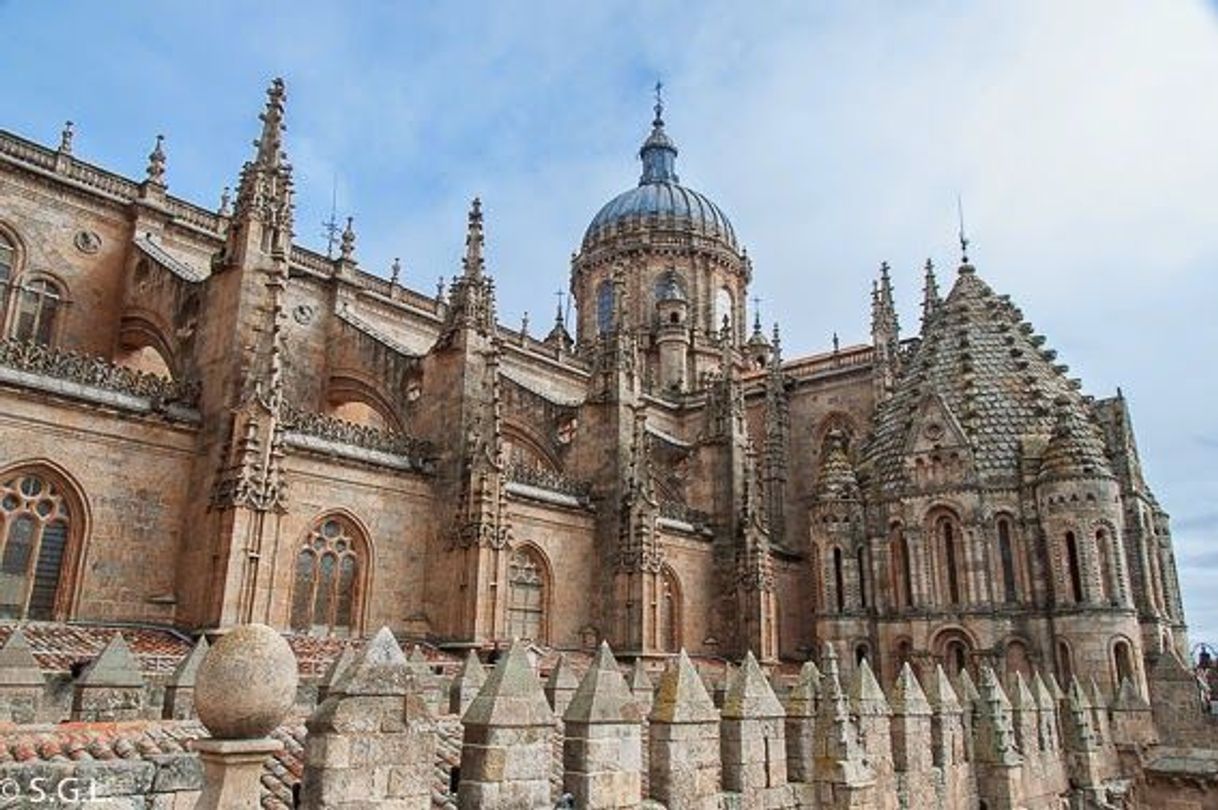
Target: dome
[661, 197]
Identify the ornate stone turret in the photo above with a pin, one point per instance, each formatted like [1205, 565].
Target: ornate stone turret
[885, 336]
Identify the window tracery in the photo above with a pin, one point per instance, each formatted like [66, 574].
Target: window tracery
[35, 520]
[326, 579]
[526, 613]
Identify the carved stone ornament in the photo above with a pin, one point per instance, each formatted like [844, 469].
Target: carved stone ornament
[303, 314]
[87, 242]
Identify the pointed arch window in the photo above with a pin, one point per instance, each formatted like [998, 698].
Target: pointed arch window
[325, 589]
[39, 303]
[35, 524]
[948, 534]
[527, 592]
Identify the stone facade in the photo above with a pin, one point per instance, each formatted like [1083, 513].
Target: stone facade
[203, 425]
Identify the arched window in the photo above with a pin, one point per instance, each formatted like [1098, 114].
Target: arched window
[8, 259]
[902, 582]
[839, 581]
[604, 307]
[956, 655]
[1073, 569]
[326, 587]
[723, 309]
[1103, 556]
[862, 652]
[1017, 659]
[669, 630]
[1122, 662]
[38, 305]
[1006, 555]
[526, 610]
[35, 520]
[949, 536]
[862, 564]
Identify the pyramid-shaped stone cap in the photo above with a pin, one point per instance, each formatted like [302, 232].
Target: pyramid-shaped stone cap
[184, 675]
[1044, 695]
[1076, 696]
[417, 658]
[801, 699]
[512, 696]
[749, 695]
[940, 694]
[681, 697]
[603, 695]
[991, 696]
[866, 696]
[639, 680]
[380, 669]
[472, 674]
[1128, 698]
[907, 696]
[1022, 699]
[115, 666]
[18, 667]
[966, 690]
[338, 667]
[1098, 699]
[1055, 688]
[562, 677]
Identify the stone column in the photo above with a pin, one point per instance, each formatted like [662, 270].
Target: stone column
[561, 685]
[180, 690]
[683, 740]
[372, 742]
[869, 705]
[603, 744]
[21, 681]
[911, 753]
[998, 763]
[753, 740]
[801, 723]
[506, 752]
[111, 688]
[466, 685]
[244, 688]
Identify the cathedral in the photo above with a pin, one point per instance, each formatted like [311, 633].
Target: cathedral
[205, 424]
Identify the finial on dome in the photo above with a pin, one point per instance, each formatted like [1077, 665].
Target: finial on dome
[658, 152]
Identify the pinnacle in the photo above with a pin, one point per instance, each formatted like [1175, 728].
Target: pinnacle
[184, 674]
[802, 699]
[640, 681]
[512, 695]
[966, 690]
[603, 695]
[562, 676]
[680, 697]
[749, 694]
[1022, 698]
[114, 666]
[379, 669]
[940, 694]
[907, 695]
[1044, 696]
[18, 667]
[991, 695]
[1128, 698]
[866, 696]
[472, 672]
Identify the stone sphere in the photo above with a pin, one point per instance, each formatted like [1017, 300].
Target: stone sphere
[246, 684]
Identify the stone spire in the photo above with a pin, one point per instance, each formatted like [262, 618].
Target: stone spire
[801, 706]
[885, 335]
[561, 685]
[683, 740]
[265, 191]
[753, 738]
[995, 729]
[777, 432]
[466, 685]
[840, 763]
[911, 731]
[602, 696]
[472, 294]
[112, 686]
[602, 740]
[930, 295]
[641, 686]
[21, 680]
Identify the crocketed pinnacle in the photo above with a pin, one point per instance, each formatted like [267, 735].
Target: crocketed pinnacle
[473, 262]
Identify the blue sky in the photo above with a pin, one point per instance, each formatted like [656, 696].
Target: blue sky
[1081, 136]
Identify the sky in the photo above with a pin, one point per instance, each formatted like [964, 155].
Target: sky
[1082, 138]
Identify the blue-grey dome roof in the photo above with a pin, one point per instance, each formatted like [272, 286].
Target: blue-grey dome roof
[659, 195]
